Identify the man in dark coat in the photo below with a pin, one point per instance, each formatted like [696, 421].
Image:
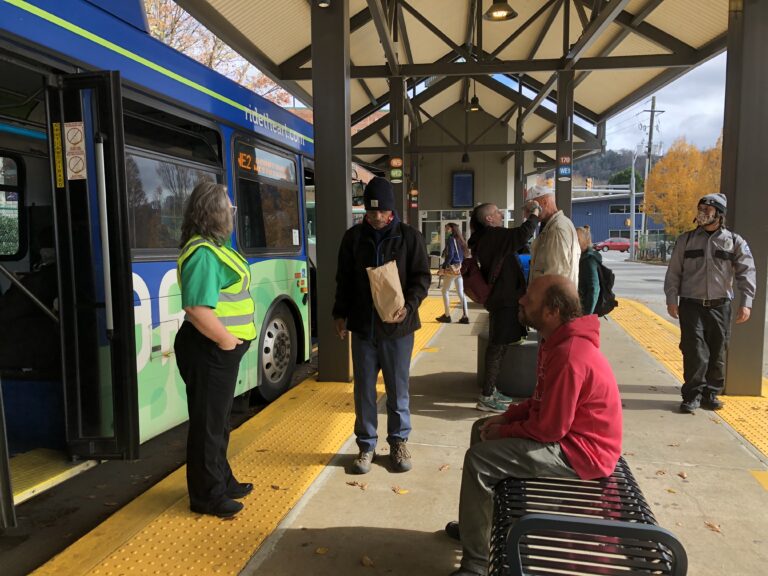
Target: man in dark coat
[495, 247]
[379, 345]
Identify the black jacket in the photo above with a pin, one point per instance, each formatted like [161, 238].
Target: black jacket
[488, 245]
[357, 252]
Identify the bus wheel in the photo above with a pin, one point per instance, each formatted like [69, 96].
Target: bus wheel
[278, 353]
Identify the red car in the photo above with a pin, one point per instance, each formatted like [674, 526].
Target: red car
[620, 244]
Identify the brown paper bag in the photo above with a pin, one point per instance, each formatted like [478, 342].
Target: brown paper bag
[386, 290]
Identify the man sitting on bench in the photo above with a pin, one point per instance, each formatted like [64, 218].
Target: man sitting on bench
[570, 428]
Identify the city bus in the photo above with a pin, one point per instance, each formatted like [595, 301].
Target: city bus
[104, 132]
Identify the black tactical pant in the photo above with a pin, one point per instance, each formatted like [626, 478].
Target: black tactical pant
[704, 335]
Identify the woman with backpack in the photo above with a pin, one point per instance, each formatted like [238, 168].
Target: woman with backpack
[450, 270]
[589, 263]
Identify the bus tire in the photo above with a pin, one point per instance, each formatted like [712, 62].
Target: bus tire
[277, 353]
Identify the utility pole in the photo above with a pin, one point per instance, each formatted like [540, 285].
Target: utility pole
[632, 187]
[649, 158]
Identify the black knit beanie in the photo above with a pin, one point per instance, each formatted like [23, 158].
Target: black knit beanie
[378, 195]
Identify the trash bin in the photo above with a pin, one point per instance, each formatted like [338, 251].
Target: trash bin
[518, 370]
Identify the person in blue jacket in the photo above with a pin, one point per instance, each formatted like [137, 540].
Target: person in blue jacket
[455, 249]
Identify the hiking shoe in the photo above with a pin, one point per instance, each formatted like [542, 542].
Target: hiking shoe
[399, 456]
[444, 318]
[711, 402]
[491, 404]
[690, 406]
[502, 398]
[362, 464]
[464, 320]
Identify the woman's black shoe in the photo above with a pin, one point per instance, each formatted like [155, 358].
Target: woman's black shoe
[445, 319]
[452, 530]
[224, 509]
[240, 491]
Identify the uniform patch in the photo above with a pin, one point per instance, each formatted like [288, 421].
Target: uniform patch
[374, 203]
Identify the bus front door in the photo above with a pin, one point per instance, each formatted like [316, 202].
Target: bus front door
[96, 294]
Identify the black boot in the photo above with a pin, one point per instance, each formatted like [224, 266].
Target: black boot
[690, 406]
[710, 401]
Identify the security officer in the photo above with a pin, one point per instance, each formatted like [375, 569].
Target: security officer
[700, 275]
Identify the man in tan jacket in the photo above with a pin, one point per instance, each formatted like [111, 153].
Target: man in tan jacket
[556, 249]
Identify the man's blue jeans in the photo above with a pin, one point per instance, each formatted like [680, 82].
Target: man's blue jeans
[393, 358]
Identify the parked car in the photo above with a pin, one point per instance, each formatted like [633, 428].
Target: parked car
[620, 244]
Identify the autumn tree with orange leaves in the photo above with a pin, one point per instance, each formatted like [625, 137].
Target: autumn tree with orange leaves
[173, 26]
[678, 180]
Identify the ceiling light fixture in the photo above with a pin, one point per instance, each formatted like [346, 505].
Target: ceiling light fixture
[323, 3]
[500, 11]
[474, 102]
[465, 158]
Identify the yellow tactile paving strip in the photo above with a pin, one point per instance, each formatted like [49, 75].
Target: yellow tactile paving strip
[51, 465]
[748, 415]
[282, 451]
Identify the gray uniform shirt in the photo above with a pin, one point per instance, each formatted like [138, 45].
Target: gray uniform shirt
[703, 266]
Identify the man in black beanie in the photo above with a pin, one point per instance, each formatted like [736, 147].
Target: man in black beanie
[380, 238]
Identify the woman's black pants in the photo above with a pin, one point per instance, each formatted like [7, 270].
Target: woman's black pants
[210, 375]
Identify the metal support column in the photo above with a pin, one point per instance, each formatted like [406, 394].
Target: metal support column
[519, 191]
[333, 160]
[745, 139]
[564, 173]
[397, 141]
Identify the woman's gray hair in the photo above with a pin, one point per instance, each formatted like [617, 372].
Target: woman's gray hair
[207, 213]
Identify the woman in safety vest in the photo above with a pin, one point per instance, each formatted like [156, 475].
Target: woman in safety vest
[214, 280]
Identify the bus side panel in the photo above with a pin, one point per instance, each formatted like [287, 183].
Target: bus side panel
[158, 313]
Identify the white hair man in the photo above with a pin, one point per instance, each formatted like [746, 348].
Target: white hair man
[556, 249]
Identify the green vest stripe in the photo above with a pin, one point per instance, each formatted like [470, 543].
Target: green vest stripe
[235, 306]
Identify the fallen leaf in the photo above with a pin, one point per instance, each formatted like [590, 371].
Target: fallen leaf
[361, 485]
[683, 475]
[675, 445]
[671, 490]
[398, 490]
[652, 388]
[321, 550]
[712, 526]
[276, 487]
[262, 450]
[366, 561]
[629, 453]
[660, 472]
[444, 467]
[715, 420]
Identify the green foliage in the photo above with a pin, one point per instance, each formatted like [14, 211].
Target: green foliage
[625, 177]
[9, 235]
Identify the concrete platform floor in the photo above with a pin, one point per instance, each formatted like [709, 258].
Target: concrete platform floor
[696, 472]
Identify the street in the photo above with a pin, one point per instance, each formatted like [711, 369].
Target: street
[645, 283]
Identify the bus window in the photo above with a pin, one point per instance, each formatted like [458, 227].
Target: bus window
[10, 192]
[157, 191]
[268, 201]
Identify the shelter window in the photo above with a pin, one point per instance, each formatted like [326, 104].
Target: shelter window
[268, 201]
[10, 215]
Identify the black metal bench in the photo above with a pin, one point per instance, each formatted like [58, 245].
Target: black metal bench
[572, 526]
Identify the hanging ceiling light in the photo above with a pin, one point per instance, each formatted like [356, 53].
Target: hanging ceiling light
[500, 11]
[323, 3]
[465, 158]
[474, 102]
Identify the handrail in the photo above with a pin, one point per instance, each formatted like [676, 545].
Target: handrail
[101, 189]
[15, 281]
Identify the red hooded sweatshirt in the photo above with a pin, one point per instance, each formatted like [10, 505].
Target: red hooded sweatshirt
[576, 401]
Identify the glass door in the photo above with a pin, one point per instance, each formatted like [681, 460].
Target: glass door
[85, 130]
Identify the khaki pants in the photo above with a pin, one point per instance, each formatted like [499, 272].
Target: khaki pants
[486, 464]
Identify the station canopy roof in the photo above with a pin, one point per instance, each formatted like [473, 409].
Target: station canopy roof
[622, 51]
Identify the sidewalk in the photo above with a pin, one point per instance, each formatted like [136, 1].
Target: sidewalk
[696, 472]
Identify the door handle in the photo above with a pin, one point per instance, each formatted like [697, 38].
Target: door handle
[101, 190]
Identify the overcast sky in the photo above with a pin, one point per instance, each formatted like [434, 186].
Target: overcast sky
[693, 106]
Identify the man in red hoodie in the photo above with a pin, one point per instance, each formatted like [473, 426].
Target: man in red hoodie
[570, 428]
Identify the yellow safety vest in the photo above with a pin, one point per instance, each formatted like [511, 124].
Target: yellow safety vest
[235, 307]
